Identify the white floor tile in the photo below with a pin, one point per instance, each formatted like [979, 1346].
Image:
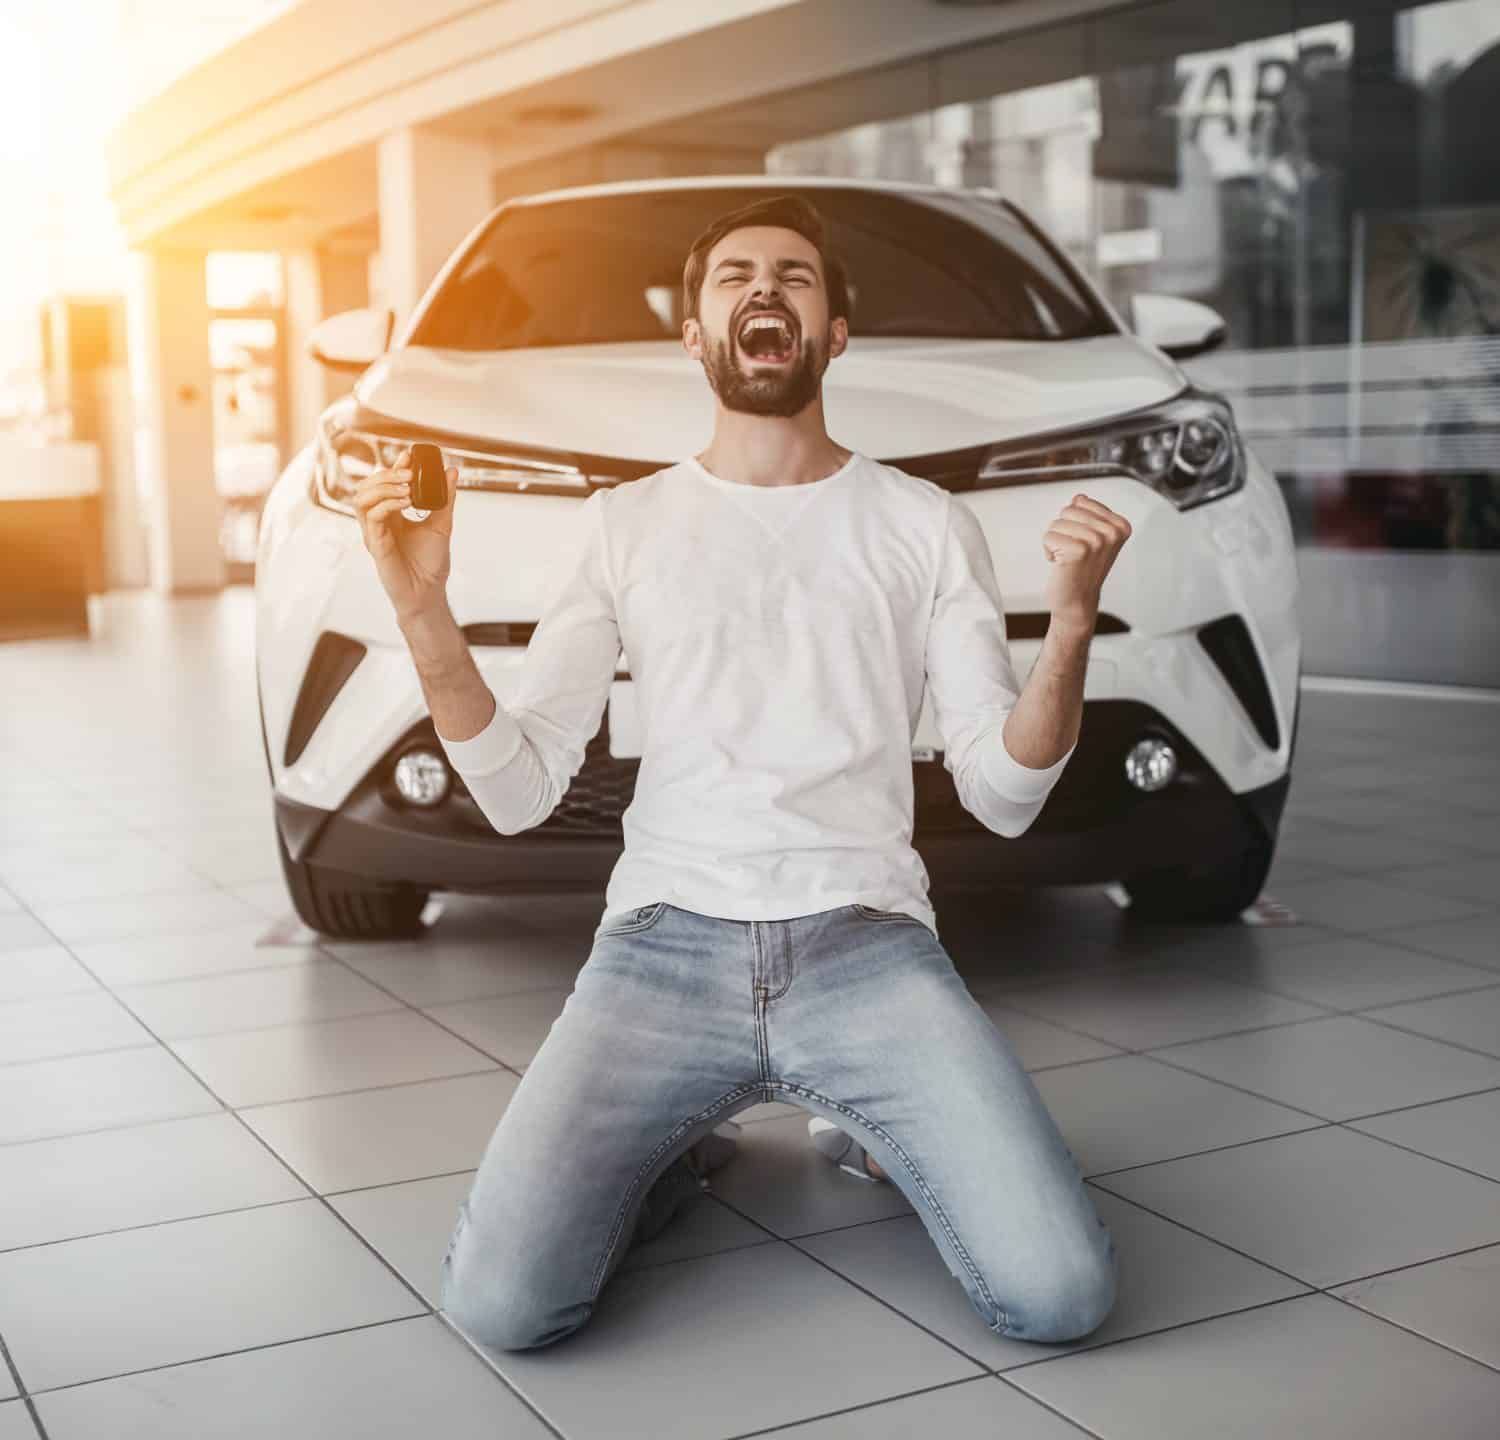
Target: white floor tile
[142, 1175]
[385, 1382]
[22, 931]
[436, 971]
[1039, 1043]
[292, 1062]
[1362, 905]
[197, 911]
[1351, 972]
[95, 1092]
[1339, 1068]
[189, 1290]
[1475, 938]
[255, 999]
[1166, 1276]
[377, 1137]
[61, 1025]
[664, 1355]
[410, 1225]
[509, 1027]
[158, 958]
[1308, 1366]
[40, 972]
[983, 1409]
[116, 866]
[1471, 1019]
[1159, 1005]
[1133, 1111]
[15, 1423]
[1463, 1132]
[1454, 1301]
[1327, 1206]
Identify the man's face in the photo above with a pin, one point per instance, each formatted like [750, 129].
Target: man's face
[763, 332]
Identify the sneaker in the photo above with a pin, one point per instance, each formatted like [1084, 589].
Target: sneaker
[713, 1150]
[842, 1148]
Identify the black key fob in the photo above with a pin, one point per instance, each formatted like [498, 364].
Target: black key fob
[429, 484]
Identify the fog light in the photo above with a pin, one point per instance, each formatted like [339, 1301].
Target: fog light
[422, 778]
[1151, 764]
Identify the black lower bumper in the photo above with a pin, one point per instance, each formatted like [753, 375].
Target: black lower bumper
[1095, 828]
[1186, 831]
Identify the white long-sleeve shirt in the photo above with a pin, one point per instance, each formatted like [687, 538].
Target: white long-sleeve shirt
[780, 639]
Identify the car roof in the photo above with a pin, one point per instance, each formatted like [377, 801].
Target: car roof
[748, 181]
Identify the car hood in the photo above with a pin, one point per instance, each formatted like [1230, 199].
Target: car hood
[650, 401]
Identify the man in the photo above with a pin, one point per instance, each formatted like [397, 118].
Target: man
[784, 603]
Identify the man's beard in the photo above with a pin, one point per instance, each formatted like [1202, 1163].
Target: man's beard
[783, 390]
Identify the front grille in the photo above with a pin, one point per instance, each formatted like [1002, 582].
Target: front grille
[596, 799]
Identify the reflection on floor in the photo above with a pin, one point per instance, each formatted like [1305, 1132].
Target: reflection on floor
[228, 1169]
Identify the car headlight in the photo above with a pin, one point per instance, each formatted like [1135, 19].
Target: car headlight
[1188, 450]
[346, 455]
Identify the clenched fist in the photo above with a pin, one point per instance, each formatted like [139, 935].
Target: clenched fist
[412, 557]
[1082, 544]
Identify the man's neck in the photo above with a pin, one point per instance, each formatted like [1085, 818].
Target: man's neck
[772, 450]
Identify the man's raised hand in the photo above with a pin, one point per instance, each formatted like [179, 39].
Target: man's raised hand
[1082, 544]
[412, 557]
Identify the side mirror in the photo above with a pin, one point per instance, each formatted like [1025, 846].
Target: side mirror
[352, 339]
[1183, 328]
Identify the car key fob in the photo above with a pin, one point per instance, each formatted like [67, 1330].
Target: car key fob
[429, 483]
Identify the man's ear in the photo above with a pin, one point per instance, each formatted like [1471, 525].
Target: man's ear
[838, 337]
[692, 339]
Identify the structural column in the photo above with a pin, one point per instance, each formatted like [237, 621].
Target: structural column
[171, 384]
[319, 283]
[434, 188]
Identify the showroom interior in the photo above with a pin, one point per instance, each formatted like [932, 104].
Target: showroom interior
[232, 1148]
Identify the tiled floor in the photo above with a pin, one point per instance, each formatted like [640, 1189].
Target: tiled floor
[228, 1168]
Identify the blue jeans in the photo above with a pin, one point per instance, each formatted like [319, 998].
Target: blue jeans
[677, 1021]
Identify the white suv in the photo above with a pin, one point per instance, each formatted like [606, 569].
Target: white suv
[546, 361]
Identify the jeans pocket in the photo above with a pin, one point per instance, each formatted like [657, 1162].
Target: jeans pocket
[642, 918]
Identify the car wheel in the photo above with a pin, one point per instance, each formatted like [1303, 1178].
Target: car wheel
[348, 906]
[342, 905]
[1214, 893]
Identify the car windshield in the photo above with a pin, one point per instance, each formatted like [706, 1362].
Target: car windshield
[608, 268]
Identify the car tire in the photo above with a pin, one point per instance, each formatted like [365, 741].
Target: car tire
[340, 905]
[348, 907]
[1215, 894]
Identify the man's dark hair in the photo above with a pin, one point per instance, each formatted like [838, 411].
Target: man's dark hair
[791, 212]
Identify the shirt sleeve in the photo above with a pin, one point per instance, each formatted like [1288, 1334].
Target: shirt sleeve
[520, 765]
[972, 682]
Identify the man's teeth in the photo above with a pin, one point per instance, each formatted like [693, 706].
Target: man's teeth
[767, 322]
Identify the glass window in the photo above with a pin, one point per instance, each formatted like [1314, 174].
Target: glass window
[609, 268]
[1325, 176]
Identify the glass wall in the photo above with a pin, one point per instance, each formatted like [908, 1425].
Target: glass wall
[1321, 174]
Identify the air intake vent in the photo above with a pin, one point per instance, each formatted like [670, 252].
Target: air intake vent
[1229, 646]
[334, 659]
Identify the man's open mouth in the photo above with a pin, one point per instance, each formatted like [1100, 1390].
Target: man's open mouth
[767, 338]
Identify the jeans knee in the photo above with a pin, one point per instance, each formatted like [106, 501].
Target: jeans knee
[508, 1320]
[1066, 1305]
